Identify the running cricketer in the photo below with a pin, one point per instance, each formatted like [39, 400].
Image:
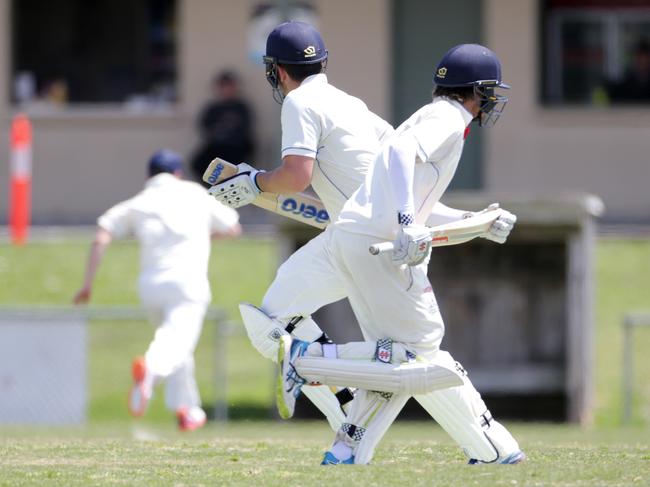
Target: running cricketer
[390, 293]
[173, 221]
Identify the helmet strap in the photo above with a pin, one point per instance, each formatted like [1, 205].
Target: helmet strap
[273, 77]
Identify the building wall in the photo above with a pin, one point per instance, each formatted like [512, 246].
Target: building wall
[86, 159]
[541, 150]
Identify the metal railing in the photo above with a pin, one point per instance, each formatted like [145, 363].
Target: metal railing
[631, 322]
[215, 315]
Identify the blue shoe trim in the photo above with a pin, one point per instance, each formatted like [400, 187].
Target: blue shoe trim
[298, 348]
[330, 459]
[516, 457]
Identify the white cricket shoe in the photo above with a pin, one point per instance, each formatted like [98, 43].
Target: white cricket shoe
[289, 383]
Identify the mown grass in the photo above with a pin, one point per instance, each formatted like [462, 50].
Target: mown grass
[115, 450]
[273, 453]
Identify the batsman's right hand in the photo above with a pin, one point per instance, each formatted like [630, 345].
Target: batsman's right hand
[238, 190]
[412, 246]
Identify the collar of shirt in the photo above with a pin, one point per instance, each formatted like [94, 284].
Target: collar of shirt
[314, 78]
[159, 180]
[467, 116]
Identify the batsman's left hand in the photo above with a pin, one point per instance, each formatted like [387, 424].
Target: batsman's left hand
[501, 227]
[238, 190]
[412, 246]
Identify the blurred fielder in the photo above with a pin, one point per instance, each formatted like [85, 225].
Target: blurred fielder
[173, 221]
[390, 293]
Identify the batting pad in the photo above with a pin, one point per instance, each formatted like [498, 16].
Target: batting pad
[461, 412]
[263, 332]
[410, 378]
[325, 400]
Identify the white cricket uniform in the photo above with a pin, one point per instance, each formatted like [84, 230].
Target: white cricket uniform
[343, 137]
[173, 221]
[398, 302]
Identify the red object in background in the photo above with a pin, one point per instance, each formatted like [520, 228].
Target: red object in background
[20, 179]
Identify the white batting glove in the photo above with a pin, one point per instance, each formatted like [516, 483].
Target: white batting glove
[413, 245]
[501, 227]
[238, 190]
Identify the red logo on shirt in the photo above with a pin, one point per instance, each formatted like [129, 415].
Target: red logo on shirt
[467, 130]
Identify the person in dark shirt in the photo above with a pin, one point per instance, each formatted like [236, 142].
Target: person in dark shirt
[635, 85]
[225, 126]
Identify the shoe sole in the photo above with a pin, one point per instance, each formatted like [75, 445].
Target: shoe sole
[283, 353]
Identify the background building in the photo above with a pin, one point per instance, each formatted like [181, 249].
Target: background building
[109, 81]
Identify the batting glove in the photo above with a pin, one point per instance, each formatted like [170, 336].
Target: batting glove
[238, 190]
[413, 244]
[501, 227]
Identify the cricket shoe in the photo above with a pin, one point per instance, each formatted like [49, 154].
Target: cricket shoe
[190, 419]
[330, 459]
[140, 392]
[512, 459]
[289, 383]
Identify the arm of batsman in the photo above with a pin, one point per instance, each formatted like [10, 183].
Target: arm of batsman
[238, 190]
[501, 227]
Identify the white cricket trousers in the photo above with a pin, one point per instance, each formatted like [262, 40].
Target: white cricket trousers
[178, 319]
[388, 302]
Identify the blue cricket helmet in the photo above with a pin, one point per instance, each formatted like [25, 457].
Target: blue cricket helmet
[292, 43]
[165, 161]
[474, 65]
[469, 65]
[295, 43]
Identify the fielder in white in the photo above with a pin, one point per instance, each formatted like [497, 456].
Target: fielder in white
[390, 293]
[173, 221]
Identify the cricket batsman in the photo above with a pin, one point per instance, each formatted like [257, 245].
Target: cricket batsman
[390, 293]
[173, 221]
[329, 139]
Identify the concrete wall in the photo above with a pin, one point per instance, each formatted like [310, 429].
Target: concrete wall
[546, 150]
[88, 158]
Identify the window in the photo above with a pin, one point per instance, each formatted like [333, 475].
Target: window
[99, 51]
[596, 52]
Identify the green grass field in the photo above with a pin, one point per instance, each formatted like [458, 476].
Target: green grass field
[274, 453]
[281, 454]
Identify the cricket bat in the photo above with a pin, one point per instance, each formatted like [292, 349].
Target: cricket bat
[301, 207]
[453, 233]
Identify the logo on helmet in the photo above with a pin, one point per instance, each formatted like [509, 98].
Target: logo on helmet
[310, 51]
[442, 72]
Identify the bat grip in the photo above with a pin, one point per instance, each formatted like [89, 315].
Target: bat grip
[380, 248]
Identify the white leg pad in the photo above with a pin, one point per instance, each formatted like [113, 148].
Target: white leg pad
[263, 331]
[307, 330]
[369, 418]
[410, 378]
[461, 412]
[324, 399]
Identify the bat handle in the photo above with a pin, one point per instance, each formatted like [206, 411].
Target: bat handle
[380, 248]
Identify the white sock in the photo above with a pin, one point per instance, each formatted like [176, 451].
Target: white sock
[341, 451]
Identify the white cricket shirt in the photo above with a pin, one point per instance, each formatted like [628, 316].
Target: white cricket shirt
[172, 220]
[439, 129]
[338, 131]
